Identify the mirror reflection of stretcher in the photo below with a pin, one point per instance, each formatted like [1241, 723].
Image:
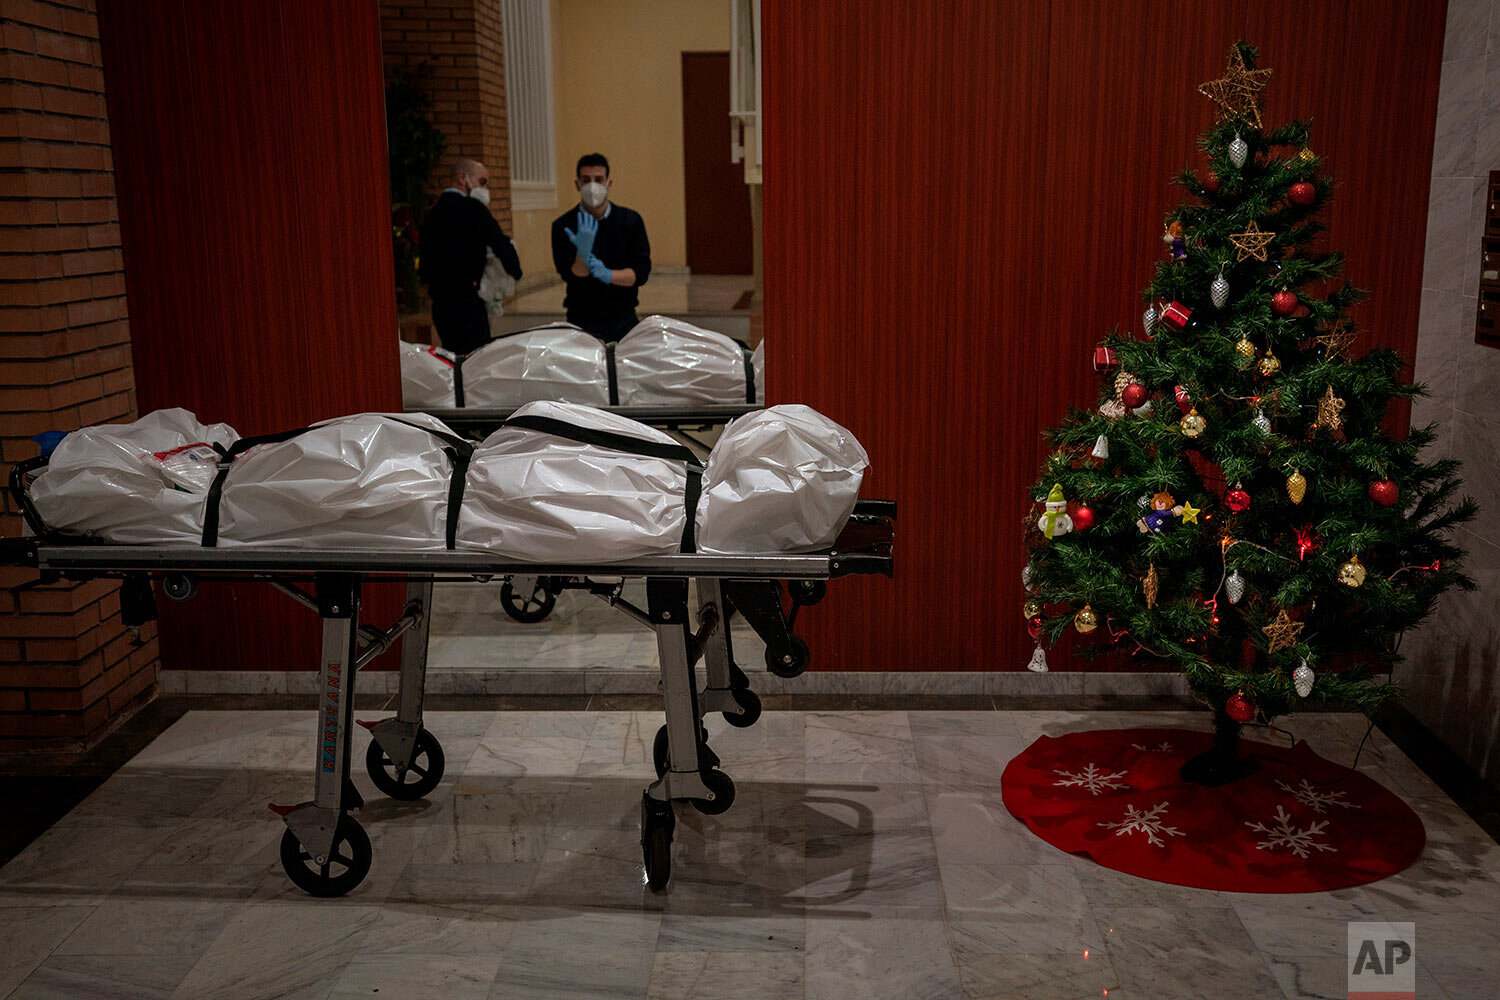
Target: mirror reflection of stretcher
[660, 361]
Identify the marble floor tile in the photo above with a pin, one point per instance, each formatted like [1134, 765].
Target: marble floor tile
[721, 975]
[1316, 977]
[31, 934]
[1032, 909]
[1184, 954]
[583, 954]
[170, 925]
[897, 954]
[1043, 976]
[105, 977]
[412, 975]
[974, 827]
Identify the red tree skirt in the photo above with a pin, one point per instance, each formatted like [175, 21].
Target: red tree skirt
[1114, 796]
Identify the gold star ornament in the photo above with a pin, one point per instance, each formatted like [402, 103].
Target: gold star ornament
[1329, 408]
[1336, 340]
[1282, 633]
[1189, 513]
[1251, 243]
[1237, 92]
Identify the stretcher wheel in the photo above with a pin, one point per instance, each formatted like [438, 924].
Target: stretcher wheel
[749, 703]
[789, 658]
[659, 755]
[419, 778]
[179, 587]
[346, 866]
[809, 592]
[657, 824]
[528, 609]
[722, 788]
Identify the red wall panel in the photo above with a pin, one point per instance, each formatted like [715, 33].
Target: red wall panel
[963, 197]
[250, 166]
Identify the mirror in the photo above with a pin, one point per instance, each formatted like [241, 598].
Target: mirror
[667, 91]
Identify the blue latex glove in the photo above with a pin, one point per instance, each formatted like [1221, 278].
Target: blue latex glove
[588, 228]
[598, 270]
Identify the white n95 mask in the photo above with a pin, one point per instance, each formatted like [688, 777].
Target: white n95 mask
[593, 194]
[481, 195]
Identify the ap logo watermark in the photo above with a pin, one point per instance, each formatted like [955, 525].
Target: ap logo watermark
[1382, 961]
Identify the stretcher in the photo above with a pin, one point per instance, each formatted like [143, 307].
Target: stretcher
[324, 850]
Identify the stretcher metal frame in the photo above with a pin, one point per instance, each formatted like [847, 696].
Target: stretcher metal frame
[324, 850]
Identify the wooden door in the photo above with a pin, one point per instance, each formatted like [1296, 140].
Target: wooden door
[717, 200]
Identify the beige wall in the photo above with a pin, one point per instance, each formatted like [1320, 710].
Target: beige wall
[1452, 668]
[617, 90]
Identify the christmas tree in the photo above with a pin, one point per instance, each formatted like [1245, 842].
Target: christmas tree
[1232, 507]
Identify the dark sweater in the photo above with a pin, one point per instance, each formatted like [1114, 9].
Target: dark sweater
[454, 237]
[621, 243]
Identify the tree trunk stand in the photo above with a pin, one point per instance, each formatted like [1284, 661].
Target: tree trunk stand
[1223, 763]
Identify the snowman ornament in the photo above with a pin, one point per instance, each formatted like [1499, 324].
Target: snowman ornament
[1055, 520]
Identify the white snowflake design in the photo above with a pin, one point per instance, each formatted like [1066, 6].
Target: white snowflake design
[1164, 748]
[1315, 800]
[1284, 834]
[1148, 821]
[1092, 778]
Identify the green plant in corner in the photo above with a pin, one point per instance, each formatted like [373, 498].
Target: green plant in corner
[416, 146]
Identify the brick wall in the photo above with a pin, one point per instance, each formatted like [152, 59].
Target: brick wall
[461, 42]
[68, 670]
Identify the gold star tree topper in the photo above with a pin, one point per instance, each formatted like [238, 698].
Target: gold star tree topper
[1336, 340]
[1282, 633]
[1252, 242]
[1237, 92]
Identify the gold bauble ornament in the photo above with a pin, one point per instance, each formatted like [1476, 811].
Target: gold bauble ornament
[1270, 364]
[1031, 608]
[1352, 573]
[1086, 621]
[1307, 155]
[1193, 425]
[1296, 487]
[1246, 350]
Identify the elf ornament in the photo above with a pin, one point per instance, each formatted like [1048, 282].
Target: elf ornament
[1301, 193]
[1055, 520]
[1302, 679]
[1239, 708]
[1218, 292]
[1352, 573]
[1284, 301]
[1086, 621]
[1384, 492]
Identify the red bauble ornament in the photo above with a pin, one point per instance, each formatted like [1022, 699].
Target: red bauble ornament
[1284, 302]
[1034, 626]
[1384, 492]
[1134, 395]
[1238, 707]
[1237, 500]
[1210, 182]
[1083, 518]
[1301, 193]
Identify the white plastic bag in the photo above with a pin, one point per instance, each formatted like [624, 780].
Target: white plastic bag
[140, 482]
[495, 285]
[665, 360]
[426, 377]
[558, 362]
[538, 497]
[365, 481]
[783, 479]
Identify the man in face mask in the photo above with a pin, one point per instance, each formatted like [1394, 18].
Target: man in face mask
[602, 253]
[455, 235]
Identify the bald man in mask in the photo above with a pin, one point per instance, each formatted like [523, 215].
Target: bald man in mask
[455, 235]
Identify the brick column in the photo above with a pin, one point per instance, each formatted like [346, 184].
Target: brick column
[68, 670]
[462, 43]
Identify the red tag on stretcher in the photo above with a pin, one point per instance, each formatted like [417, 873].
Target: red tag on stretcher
[1176, 315]
[1104, 358]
